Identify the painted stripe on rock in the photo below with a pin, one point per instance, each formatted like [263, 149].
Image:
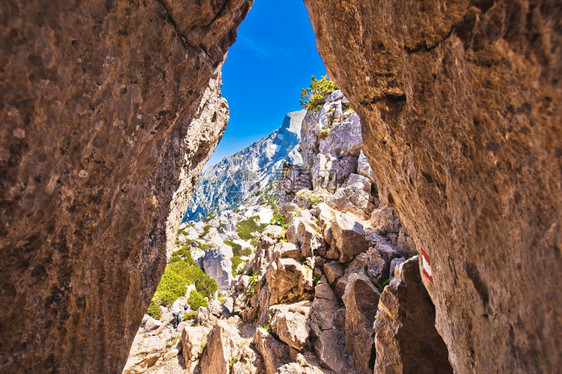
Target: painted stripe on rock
[426, 264]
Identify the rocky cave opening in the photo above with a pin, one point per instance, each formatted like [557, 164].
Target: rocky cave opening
[110, 115]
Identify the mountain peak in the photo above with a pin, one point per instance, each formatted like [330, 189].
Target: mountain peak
[247, 176]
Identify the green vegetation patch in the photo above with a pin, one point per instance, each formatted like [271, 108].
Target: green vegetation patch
[196, 300]
[183, 254]
[324, 133]
[206, 230]
[237, 249]
[312, 97]
[280, 219]
[180, 273]
[247, 228]
[252, 285]
[236, 261]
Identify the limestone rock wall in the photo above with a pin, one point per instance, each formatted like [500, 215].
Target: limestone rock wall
[458, 104]
[109, 111]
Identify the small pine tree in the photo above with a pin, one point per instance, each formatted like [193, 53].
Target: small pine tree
[313, 96]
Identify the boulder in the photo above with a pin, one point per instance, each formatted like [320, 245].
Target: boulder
[364, 168]
[357, 266]
[306, 233]
[219, 267]
[405, 336]
[204, 317]
[333, 271]
[378, 266]
[264, 252]
[360, 299]
[192, 339]
[328, 349]
[289, 323]
[289, 281]
[382, 215]
[152, 324]
[344, 139]
[146, 351]
[349, 236]
[327, 328]
[325, 214]
[215, 308]
[286, 250]
[223, 344]
[354, 196]
[170, 354]
[329, 172]
[274, 353]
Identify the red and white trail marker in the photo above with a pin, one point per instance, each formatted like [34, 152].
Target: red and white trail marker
[426, 264]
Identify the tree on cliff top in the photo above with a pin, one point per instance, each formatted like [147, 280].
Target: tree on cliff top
[313, 96]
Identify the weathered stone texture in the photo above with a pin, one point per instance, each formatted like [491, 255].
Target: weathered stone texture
[458, 104]
[405, 336]
[109, 111]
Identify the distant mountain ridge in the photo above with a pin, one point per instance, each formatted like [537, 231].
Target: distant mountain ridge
[248, 176]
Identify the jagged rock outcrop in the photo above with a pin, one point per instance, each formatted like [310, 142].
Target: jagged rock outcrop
[108, 116]
[460, 124]
[405, 307]
[216, 263]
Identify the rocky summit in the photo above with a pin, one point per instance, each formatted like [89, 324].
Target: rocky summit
[432, 244]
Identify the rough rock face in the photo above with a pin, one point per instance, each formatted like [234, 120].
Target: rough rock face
[404, 306]
[360, 299]
[218, 266]
[108, 117]
[458, 104]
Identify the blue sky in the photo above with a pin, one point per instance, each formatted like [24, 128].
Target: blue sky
[273, 57]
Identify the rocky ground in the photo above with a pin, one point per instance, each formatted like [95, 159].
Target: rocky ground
[331, 285]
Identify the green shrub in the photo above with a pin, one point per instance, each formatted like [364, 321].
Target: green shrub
[180, 273]
[237, 249]
[171, 287]
[202, 246]
[206, 230]
[208, 217]
[206, 285]
[236, 261]
[154, 310]
[313, 96]
[248, 227]
[182, 254]
[252, 285]
[195, 300]
[280, 220]
[189, 315]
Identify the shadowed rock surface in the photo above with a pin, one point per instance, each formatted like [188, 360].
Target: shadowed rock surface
[406, 340]
[108, 116]
[458, 104]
